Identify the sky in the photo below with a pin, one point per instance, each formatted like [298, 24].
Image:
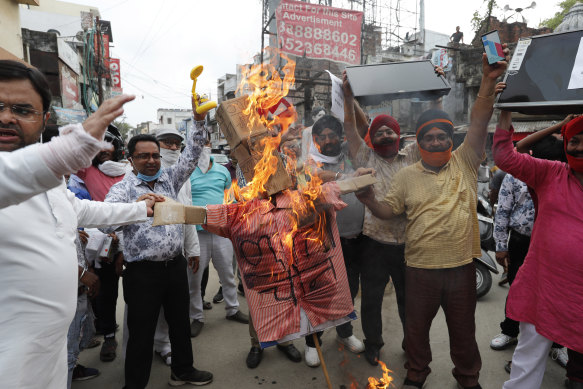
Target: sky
[160, 42]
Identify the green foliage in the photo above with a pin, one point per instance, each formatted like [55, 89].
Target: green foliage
[479, 20]
[123, 128]
[558, 18]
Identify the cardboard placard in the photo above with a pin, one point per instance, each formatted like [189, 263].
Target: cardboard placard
[356, 183]
[173, 212]
[233, 122]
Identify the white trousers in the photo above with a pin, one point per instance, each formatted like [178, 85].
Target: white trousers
[220, 250]
[529, 360]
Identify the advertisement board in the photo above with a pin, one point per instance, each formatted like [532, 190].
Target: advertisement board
[115, 73]
[318, 31]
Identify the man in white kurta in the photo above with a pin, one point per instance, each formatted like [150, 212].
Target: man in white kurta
[38, 261]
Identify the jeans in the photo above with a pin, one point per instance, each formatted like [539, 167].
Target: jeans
[379, 263]
[80, 333]
[148, 286]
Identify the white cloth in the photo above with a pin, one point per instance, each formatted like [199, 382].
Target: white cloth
[113, 169]
[529, 360]
[38, 278]
[220, 250]
[205, 160]
[169, 157]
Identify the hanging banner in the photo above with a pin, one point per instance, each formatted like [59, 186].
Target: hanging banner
[317, 31]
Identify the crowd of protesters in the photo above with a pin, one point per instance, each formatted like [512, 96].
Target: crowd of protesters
[417, 227]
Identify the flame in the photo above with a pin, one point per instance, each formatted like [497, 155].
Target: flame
[266, 89]
[384, 382]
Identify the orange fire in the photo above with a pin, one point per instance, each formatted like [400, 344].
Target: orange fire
[384, 382]
[265, 88]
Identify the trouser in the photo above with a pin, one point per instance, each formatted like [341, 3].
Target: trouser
[255, 339]
[379, 263]
[203, 282]
[310, 339]
[148, 286]
[352, 251]
[529, 360]
[517, 250]
[106, 300]
[80, 333]
[220, 250]
[454, 290]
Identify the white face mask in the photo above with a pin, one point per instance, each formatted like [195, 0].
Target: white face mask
[169, 157]
[112, 168]
[204, 159]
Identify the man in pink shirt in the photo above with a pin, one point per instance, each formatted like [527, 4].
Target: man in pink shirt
[547, 294]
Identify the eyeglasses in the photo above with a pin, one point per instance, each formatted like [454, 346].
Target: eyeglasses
[170, 143]
[25, 114]
[146, 157]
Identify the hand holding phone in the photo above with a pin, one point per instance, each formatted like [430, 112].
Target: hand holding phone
[493, 47]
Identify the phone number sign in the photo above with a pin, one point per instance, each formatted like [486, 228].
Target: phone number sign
[320, 32]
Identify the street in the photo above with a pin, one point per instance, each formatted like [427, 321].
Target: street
[223, 345]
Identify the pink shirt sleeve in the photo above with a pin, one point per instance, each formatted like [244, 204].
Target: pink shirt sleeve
[532, 171]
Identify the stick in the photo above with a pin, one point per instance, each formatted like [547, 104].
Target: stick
[322, 360]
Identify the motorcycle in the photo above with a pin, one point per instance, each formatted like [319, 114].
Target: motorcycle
[485, 264]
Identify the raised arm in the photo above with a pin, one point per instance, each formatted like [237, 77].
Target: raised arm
[361, 120]
[354, 139]
[526, 144]
[483, 107]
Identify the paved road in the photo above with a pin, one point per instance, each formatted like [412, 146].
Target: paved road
[222, 348]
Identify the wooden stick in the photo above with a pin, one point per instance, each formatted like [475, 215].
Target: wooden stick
[314, 335]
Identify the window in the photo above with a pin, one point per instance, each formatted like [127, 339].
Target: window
[169, 120]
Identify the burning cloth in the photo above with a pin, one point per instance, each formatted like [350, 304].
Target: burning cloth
[291, 271]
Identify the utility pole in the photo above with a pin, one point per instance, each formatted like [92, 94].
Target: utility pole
[98, 48]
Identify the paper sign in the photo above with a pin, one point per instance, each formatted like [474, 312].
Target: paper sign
[576, 80]
[519, 54]
[337, 97]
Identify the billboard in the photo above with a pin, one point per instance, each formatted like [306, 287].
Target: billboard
[115, 73]
[318, 31]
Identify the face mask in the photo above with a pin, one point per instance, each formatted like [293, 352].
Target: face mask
[146, 178]
[112, 168]
[435, 158]
[204, 159]
[575, 163]
[169, 157]
[387, 150]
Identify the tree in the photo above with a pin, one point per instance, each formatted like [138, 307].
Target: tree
[123, 128]
[479, 20]
[559, 16]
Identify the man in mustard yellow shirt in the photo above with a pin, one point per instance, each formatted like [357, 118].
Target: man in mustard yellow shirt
[438, 196]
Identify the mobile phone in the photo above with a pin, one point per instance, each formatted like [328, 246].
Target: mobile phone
[493, 47]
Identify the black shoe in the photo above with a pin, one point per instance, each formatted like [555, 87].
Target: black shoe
[570, 384]
[219, 296]
[195, 328]
[412, 384]
[239, 317]
[372, 355]
[82, 373]
[206, 305]
[291, 352]
[254, 357]
[107, 353]
[195, 377]
[508, 367]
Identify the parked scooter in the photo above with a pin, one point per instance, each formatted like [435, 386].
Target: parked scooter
[485, 264]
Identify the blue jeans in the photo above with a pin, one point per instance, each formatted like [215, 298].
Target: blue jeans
[80, 333]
